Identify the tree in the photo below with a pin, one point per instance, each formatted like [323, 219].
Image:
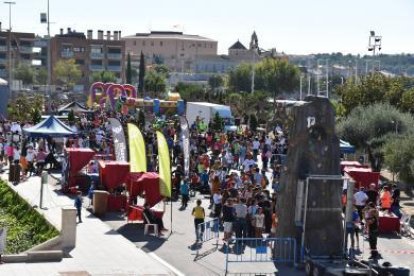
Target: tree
[370, 127]
[217, 123]
[215, 82]
[141, 75]
[67, 71]
[41, 76]
[25, 74]
[129, 69]
[240, 78]
[71, 117]
[103, 76]
[371, 89]
[276, 76]
[407, 101]
[36, 116]
[162, 69]
[190, 92]
[24, 108]
[399, 158]
[155, 83]
[253, 124]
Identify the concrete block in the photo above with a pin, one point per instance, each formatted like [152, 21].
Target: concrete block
[45, 256]
[15, 258]
[68, 232]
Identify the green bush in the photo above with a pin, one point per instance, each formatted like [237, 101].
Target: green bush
[26, 227]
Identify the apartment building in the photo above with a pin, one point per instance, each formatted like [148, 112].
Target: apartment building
[21, 51]
[175, 49]
[92, 54]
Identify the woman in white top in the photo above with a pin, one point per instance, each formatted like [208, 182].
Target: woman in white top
[259, 223]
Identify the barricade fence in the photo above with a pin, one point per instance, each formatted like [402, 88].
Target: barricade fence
[205, 232]
[259, 250]
[208, 230]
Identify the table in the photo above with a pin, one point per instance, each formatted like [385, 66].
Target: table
[388, 223]
[136, 213]
[116, 203]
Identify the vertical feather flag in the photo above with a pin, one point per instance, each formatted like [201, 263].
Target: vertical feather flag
[164, 165]
[138, 158]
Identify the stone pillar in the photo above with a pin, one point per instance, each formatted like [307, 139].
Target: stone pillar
[68, 232]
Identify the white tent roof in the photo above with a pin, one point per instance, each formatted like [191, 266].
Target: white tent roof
[3, 82]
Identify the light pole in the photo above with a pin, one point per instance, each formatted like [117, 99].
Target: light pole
[374, 44]
[10, 3]
[46, 19]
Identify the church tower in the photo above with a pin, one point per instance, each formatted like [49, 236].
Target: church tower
[254, 42]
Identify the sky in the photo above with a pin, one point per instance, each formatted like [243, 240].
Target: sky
[290, 26]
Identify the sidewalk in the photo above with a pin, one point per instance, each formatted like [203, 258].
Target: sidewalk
[99, 249]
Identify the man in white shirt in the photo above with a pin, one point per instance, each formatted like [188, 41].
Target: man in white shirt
[360, 199]
[255, 147]
[247, 163]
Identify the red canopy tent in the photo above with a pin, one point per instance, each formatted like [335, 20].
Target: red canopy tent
[354, 164]
[113, 173]
[77, 159]
[363, 176]
[138, 184]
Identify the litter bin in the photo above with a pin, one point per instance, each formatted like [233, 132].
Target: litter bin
[100, 203]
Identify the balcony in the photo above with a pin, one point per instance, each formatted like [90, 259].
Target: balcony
[26, 50]
[40, 43]
[3, 48]
[114, 68]
[96, 55]
[96, 67]
[66, 54]
[114, 56]
[3, 61]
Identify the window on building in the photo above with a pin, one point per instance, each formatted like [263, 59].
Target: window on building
[80, 61]
[161, 43]
[143, 43]
[135, 43]
[96, 62]
[152, 43]
[114, 63]
[97, 50]
[79, 49]
[198, 44]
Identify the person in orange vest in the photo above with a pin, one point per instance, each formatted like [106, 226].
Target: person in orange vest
[386, 199]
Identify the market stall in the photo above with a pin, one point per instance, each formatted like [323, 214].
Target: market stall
[362, 176]
[112, 176]
[145, 185]
[76, 159]
[389, 223]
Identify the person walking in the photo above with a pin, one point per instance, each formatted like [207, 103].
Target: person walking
[78, 206]
[199, 216]
[373, 223]
[360, 200]
[185, 192]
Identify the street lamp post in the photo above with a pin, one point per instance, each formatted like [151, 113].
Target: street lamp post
[46, 19]
[10, 3]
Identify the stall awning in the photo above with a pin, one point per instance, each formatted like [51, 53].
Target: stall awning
[49, 127]
[346, 147]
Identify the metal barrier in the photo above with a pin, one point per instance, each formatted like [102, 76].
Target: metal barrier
[207, 231]
[249, 250]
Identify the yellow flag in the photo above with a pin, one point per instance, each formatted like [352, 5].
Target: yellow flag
[164, 165]
[138, 159]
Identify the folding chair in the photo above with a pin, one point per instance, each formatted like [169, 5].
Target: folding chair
[148, 225]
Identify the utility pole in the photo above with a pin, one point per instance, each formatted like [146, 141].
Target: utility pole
[45, 18]
[10, 3]
[253, 69]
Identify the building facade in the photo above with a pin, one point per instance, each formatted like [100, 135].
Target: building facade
[176, 50]
[92, 54]
[15, 49]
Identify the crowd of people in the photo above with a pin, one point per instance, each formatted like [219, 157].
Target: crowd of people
[240, 171]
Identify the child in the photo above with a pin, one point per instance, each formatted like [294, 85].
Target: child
[259, 222]
[184, 191]
[78, 205]
[199, 215]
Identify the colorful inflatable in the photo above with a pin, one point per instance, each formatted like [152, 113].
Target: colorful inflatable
[102, 93]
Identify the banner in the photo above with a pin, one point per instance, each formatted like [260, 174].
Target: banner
[137, 155]
[119, 140]
[164, 165]
[185, 138]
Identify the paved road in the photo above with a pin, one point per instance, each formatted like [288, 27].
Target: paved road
[99, 249]
[179, 249]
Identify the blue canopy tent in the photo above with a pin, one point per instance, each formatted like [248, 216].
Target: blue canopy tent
[50, 127]
[346, 147]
